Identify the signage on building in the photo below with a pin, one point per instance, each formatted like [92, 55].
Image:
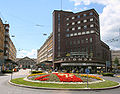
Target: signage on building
[81, 64]
[78, 53]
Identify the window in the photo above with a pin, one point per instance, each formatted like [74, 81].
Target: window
[91, 25]
[84, 15]
[78, 22]
[85, 21]
[67, 18]
[78, 16]
[75, 34]
[87, 32]
[73, 23]
[67, 30]
[85, 26]
[92, 31]
[74, 42]
[91, 13]
[58, 29]
[67, 35]
[73, 28]
[78, 41]
[71, 34]
[79, 27]
[90, 40]
[91, 19]
[70, 42]
[82, 41]
[73, 17]
[83, 33]
[86, 40]
[67, 24]
[79, 33]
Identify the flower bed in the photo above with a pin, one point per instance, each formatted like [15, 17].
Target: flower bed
[63, 77]
[67, 77]
[91, 76]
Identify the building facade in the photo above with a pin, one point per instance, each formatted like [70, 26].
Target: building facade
[26, 62]
[45, 53]
[2, 38]
[76, 41]
[9, 50]
[115, 53]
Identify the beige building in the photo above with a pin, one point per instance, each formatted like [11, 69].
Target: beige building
[26, 62]
[115, 53]
[45, 53]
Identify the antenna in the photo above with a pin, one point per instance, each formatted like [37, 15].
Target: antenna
[61, 4]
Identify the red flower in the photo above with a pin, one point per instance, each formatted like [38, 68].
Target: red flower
[41, 77]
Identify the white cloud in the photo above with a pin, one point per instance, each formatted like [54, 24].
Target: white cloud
[24, 53]
[109, 19]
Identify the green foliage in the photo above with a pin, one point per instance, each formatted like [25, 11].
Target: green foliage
[7, 71]
[116, 61]
[33, 72]
[108, 74]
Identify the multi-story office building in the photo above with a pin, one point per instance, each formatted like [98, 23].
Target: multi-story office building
[45, 53]
[2, 34]
[76, 41]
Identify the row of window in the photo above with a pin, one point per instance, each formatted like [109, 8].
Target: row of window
[79, 41]
[79, 16]
[82, 49]
[80, 27]
[78, 22]
[80, 33]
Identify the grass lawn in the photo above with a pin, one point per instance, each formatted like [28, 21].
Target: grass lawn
[74, 86]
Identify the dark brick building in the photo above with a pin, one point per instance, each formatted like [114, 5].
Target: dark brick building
[76, 41]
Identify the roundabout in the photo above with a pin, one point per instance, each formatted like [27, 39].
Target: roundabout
[64, 81]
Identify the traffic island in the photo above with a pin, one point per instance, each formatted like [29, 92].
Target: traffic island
[41, 82]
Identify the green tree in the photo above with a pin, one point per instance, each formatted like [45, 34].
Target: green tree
[116, 61]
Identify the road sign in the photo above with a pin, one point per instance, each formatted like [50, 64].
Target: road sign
[87, 71]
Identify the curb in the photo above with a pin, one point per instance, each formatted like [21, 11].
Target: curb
[82, 89]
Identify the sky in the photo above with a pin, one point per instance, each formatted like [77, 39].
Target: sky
[30, 19]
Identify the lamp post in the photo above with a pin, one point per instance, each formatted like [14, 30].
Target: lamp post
[31, 66]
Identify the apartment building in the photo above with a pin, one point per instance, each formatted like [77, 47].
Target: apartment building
[2, 34]
[9, 48]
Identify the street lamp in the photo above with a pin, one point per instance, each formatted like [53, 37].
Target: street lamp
[31, 66]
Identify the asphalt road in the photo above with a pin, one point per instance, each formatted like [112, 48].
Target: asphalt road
[6, 88]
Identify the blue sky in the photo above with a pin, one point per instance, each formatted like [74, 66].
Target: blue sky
[24, 15]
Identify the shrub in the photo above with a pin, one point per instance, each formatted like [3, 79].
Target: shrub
[34, 72]
[108, 74]
[7, 71]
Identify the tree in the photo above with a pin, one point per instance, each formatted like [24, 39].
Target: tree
[116, 61]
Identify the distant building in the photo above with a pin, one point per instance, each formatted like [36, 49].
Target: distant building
[26, 62]
[76, 42]
[115, 53]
